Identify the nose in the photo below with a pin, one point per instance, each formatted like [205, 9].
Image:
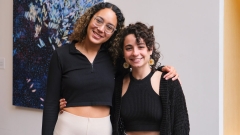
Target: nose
[101, 28]
[135, 52]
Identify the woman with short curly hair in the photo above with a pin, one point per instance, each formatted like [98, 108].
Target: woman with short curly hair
[144, 103]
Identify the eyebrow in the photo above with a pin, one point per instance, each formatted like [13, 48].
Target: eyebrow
[128, 45]
[140, 43]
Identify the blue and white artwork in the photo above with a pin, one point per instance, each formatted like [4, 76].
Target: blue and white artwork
[39, 27]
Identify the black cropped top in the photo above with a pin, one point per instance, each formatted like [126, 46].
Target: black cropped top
[141, 108]
[81, 83]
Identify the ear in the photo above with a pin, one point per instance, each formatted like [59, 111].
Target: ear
[151, 51]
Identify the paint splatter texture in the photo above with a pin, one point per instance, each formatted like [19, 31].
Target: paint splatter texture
[39, 27]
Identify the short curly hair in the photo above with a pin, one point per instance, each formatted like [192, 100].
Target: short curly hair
[80, 28]
[141, 30]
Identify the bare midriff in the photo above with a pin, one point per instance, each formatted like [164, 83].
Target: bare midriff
[144, 133]
[89, 111]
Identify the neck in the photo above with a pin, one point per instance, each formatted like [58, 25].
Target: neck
[141, 72]
[88, 47]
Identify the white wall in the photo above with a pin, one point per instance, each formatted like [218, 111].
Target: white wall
[188, 33]
[13, 120]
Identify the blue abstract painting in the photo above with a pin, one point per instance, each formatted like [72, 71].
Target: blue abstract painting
[39, 27]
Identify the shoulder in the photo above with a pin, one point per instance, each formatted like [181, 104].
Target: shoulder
[174, 88]
[170, 85]
[156, 77]
[64, 51]
[157, 74]
[63, 48]
[155, 81]
[126, 78]
[121, 80]
[174, 83]
[122, 77]
[169, 81]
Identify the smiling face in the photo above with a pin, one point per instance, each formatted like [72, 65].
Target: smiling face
[96, 34]
[136, 54]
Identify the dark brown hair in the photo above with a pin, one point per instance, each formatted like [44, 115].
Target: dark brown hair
[141, 30]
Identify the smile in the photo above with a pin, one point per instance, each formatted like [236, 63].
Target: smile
[135, 60]
[97, 35]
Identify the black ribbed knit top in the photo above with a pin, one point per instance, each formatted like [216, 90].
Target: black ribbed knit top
[141, 106]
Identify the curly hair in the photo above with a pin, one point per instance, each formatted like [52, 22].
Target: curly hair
[142, 31]
[80, 28]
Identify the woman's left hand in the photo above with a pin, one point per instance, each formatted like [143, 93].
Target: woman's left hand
[171, 73]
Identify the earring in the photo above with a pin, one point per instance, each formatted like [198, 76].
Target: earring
[125, 65]
[151, 61]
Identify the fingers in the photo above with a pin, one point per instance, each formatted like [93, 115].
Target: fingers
[175, 77]
[62, 104]
[166, 69]
[62, 99]
[61, 111]
[172, 73]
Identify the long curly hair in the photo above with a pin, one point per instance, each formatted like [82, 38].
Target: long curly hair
[80, 28]
[141, 30]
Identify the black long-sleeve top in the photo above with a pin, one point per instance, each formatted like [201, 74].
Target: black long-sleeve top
[175, 115]
[81, 83]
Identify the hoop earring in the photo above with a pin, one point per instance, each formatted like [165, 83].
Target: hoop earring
[151, 61]
[125, 65]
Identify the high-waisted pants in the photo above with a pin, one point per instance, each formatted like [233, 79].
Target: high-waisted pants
[70, 124]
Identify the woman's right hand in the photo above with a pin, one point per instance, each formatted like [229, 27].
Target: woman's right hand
[62, 104]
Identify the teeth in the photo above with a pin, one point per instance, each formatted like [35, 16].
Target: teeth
[96, 34]
[136, 60]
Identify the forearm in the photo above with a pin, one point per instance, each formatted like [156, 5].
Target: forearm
[50, 115]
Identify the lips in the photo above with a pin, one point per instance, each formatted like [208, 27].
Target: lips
[136, 60]
[96, 35]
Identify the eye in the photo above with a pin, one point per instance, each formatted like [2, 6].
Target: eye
[128, 48]
[109, 27]
[99, 20]
[141, 46]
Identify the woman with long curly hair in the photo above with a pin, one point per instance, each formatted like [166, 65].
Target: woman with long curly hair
[83, 73]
